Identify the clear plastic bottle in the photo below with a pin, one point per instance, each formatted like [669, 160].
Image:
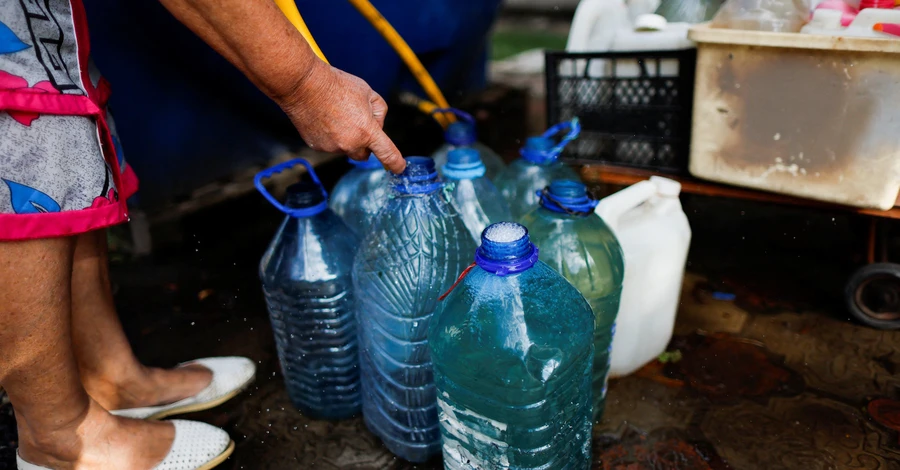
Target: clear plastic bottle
[307, 283]
[360, 193]
[579, 245]
[416, 247]
[538, 166]
[513, 351]
[461, 134]
[477, 199]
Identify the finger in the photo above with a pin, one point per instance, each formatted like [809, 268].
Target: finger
[383, 148]
[379, 108]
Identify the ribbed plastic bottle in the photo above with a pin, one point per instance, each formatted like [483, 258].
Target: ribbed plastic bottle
[577, 243]
[461, 134]
[513, 351]
[416, 247]
[307, 282]
[538, 166]
[359, 194]
[477, 199]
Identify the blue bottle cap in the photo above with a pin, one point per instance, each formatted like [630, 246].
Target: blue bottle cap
[464, 164]
[419, 177]
[306, 195]
[506, 249]
[567, 197]
[543, 150]
[539, 150]
[460, 133]
[370, 164]
[539, 143]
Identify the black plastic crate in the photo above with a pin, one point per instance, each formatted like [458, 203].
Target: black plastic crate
[641, 120]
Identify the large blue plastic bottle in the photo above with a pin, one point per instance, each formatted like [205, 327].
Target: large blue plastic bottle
[461, 134]
[307, 282]
[579, 245]
[538, 166]
[512, 352]
[358, 195]
[417, 246]
[477, 199]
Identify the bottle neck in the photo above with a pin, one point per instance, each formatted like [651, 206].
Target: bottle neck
[539, 150]
[420, 177]
[506, 249]
[464, 171]
[460, 134]
[305, 200]
[567, 197]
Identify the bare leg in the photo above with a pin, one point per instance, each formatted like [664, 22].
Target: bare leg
[59, 425]
[110, 372]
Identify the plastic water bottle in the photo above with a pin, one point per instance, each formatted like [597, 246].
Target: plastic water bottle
[461, 134]
[477, 199]
[307, 282]
[538, 166]
[579, 245]
[417, 246]
[512, 351]
[360, 193]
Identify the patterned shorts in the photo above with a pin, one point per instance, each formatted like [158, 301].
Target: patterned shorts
[62, 170]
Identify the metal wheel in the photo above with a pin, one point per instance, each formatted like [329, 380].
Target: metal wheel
[873, 295]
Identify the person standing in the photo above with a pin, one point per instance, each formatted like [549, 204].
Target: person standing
[82, 399]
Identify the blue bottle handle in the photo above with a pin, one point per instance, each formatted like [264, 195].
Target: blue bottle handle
[269, 172]
[460, 114]
[573, 127]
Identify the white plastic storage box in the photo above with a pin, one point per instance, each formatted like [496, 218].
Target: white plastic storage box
[811, 116]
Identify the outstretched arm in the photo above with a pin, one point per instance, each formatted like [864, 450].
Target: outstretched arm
[333, 111]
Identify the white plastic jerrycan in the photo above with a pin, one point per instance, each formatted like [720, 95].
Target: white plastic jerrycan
[650, 224]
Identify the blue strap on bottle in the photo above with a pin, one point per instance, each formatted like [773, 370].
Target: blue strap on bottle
[303, 212]
[541, 156]
[506, 267]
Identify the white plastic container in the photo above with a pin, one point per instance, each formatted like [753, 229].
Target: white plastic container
[611, 26]
[650, 224]
[812, 116]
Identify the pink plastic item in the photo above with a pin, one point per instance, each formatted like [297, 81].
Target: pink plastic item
[889, 28]
[848, 12]
[887, 4]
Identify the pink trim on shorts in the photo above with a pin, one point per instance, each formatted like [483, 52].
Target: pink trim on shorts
[15, 227]
[47, 103]
[106, 210]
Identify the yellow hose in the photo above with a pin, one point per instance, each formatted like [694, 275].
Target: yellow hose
[289, 8]
[406, 53]
[425, 106]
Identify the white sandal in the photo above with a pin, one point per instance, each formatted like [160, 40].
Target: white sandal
[197, 446]
[230, 376]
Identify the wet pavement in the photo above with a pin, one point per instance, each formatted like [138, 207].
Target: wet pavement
[777, 378]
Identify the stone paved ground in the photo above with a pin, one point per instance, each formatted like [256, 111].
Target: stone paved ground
[776, 379]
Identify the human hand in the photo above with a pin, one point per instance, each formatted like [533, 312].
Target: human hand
[338, 112]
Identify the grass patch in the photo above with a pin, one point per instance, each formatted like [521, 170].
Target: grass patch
[509, 43]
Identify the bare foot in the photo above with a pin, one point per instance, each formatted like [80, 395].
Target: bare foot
[147, 387]
[99, 441]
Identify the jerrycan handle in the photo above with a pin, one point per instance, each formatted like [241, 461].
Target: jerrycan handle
[612, 207]
[269, 172]
[456, 112]
[572, 129]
